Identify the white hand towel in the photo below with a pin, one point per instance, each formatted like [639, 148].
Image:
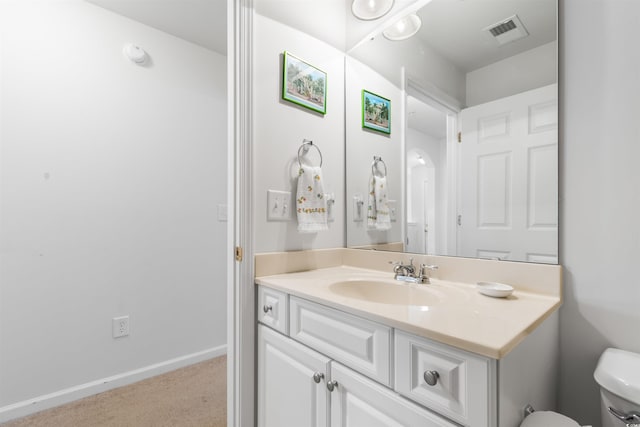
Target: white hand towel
[378, 215]
[310, 202]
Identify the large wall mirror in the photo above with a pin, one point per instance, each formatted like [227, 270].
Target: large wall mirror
[468, 155]
[471, 161]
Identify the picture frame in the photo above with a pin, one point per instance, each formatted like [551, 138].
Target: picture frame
[304, 84]
[376, 112]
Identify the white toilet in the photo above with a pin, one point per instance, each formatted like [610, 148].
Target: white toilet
[618, 374]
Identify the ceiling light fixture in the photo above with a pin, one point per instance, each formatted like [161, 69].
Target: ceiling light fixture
[368, 10]
[404, 28]
[421, 160]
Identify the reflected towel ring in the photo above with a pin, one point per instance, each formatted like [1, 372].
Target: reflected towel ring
[305, 148]
[376, 160]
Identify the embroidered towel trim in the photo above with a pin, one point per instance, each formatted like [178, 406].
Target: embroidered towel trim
[378, 214]
[311, 204]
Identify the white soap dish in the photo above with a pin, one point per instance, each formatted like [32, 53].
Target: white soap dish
[494, 289]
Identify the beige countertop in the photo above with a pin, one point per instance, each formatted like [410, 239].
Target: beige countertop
[461, 317]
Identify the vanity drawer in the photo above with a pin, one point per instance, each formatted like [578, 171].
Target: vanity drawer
[362, 345]
[461, 388]
[272, 309]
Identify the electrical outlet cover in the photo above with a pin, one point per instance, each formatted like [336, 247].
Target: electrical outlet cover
[120, 326]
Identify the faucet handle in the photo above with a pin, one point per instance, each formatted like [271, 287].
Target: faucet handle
[424, 267]
[397, 266]
[423, 272]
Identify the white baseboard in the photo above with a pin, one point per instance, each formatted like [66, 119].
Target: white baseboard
[40, 403]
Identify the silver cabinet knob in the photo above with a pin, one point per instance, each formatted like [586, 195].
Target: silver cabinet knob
[317, 377]
[331, 385]
[431, 377]
[267, 308]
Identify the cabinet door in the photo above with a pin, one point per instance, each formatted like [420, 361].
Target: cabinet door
[288, 394]
[357, 401]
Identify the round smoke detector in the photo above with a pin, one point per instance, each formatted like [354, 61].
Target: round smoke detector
[135, 53]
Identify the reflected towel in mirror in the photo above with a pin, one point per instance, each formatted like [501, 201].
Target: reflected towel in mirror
[311, 205]
[378, 215]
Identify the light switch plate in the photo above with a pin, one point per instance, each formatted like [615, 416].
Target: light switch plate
[331, 206]
[392, 210]
[278, 205]
[222, 213]
[358, 208]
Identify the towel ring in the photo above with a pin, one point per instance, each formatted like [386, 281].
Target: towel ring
[376, 160]
[305, 148]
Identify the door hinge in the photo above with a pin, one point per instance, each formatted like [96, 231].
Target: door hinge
[459, 136]
[239, 253]
[459, 219]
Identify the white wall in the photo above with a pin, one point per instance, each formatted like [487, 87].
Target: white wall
[279, 128]
[363, 144]
[110, 178]
[600, 202]
[528, 70]
[324, 20]
[425, 66]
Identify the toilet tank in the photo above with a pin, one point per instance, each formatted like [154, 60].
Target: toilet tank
[618, 374]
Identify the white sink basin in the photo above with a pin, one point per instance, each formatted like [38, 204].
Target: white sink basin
[388, 292]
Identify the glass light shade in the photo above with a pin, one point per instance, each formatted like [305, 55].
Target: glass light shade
[404, 28]
[368, 10]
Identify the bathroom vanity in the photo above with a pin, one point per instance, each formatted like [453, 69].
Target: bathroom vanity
[341, 345]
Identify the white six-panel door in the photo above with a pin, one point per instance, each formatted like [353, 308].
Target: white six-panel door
[508, 178]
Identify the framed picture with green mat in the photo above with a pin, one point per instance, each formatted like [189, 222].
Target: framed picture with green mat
[304, 84]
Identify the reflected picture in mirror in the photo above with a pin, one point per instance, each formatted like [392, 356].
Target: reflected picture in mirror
[376, 112]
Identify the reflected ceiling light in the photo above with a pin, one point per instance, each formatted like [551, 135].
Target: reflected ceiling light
[368, 10]
[404, 28]
[421, 160]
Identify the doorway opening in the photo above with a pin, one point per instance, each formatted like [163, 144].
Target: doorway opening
[430, 165]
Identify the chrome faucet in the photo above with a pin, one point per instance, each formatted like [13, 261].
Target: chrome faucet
[407, 272]
[403, 270]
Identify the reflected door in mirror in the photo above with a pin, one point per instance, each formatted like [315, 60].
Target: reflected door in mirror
[508, 178]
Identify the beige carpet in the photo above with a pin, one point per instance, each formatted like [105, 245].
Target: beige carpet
[194, 396]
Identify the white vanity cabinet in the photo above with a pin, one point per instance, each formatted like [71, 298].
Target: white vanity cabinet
[293, 391]
[327, 367]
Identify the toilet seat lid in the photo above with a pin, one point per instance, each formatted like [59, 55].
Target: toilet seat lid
[548, 419]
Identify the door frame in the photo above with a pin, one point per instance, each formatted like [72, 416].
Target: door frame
[240, 288]
[438, 99]
[426, 202]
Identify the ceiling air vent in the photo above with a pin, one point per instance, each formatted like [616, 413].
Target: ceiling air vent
[507, 30]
